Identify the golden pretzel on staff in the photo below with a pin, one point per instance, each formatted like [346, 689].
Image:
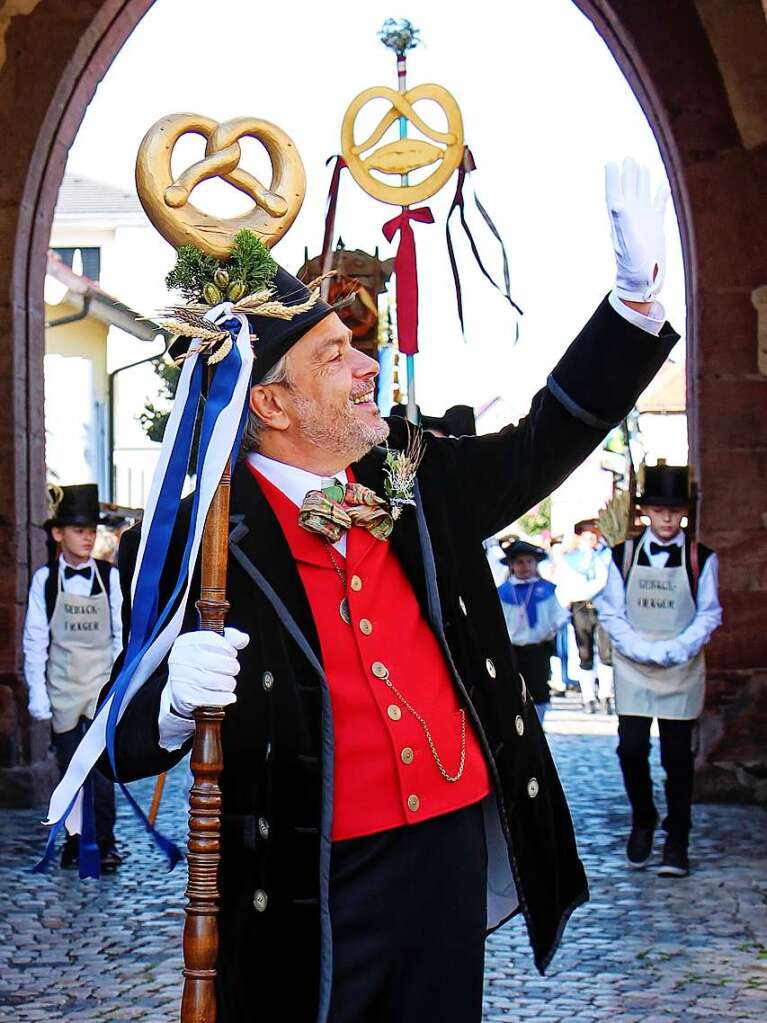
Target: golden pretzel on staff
[404, 155]
[167, 203]
[167, 199]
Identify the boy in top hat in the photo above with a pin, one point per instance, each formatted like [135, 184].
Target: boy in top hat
[582, 576]
[388, 795]
[660, 606]
[533, 615]
[72, 635]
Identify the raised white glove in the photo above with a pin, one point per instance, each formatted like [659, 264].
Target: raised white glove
[39, 706]
[202, 669]
[636, 223]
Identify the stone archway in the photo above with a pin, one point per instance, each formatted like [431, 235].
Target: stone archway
[700, 77]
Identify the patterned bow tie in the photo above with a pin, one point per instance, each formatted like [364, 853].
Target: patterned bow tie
[69, 573]
[333, 510]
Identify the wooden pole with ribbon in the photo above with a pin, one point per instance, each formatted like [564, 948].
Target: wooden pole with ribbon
[166, 202]
[412, 408]
[402, 158]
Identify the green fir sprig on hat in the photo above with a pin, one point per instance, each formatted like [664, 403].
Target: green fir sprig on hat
[201, 278]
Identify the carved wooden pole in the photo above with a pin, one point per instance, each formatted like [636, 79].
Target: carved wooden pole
[198, 1002]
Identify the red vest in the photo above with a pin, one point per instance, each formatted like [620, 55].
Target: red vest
[384, 772]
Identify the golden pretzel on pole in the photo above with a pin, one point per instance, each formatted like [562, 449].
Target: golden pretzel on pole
[404, 155]
[167, 200]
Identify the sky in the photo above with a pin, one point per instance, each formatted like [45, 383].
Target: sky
[544, 107]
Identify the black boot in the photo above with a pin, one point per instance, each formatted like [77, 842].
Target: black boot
[110, 858]
[639, 845]
[675, 862]
[70, 853]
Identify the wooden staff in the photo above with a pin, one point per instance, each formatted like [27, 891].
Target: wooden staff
[198, 1001]
[154, 809]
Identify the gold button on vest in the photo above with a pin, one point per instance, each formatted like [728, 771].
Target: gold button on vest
[379, 669]
[356, 583]
[394, 712]
[366, 626]
[413, 803]
[519, 724]
[532, 788]
[407, 755]
[490, 668]
[260, 900]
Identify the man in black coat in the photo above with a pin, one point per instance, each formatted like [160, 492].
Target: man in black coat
[386, 926]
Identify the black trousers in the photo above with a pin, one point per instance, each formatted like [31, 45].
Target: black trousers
[589, 635]
[408, 911]
[534, 662]
[677, 759]
[65, 744]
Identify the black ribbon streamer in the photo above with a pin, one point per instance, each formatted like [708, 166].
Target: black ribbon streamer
[459, 203]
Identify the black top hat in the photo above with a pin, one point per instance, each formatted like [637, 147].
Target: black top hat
[519, 548]
[274, 337]
[666, 485]
[74, 506]
[458, 420]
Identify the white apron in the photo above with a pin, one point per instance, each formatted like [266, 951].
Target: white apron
[659, 605]
[79, 655]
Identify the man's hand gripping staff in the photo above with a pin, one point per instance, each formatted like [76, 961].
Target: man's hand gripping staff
[202, 670]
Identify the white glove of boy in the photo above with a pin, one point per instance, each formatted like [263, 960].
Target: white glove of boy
[636, 223]
[39, 706]
[202, 670]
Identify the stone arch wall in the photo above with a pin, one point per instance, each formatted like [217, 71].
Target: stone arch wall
[701, 77]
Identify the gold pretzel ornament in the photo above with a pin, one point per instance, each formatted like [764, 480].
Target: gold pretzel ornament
[166, 200]
[405, 155]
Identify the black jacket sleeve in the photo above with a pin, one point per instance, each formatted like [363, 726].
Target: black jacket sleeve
[592, 388]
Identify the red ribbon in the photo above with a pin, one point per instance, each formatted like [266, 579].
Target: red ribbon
[407, 275]
[330, 216]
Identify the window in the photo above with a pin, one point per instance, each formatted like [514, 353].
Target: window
[90, 257]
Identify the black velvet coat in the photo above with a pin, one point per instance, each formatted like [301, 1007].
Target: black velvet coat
[277, 738]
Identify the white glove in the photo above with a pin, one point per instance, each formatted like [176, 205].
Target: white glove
[636, 223]
[39, 706]
[202, 669]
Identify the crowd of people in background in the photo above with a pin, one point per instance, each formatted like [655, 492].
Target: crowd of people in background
[559, 641]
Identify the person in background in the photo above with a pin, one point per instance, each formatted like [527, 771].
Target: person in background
[584, 575]
[660, 607]
[561, 680]
[72, 635]
[533, 615]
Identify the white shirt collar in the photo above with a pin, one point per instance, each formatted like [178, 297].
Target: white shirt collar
[89, 563]
[678, 540]
[522, 582]
[294, 483]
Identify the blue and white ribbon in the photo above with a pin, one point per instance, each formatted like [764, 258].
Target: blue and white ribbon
[153, 628]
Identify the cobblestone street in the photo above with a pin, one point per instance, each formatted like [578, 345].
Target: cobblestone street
[644, 949]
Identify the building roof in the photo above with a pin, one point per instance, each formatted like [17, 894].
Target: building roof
[668, 391]
[84, 200]
[88, 298]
